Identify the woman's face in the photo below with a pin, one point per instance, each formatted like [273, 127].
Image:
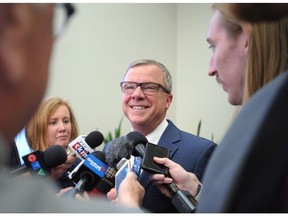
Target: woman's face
[59, 127]
[229, 58]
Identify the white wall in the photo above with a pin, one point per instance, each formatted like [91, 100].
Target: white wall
[90, 59]
[199, 96]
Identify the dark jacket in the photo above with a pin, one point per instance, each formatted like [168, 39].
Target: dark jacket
[188, 150]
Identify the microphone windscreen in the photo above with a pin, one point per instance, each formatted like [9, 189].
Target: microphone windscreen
[94, 139]
[54, 156]
[121, 147]
[137, 137]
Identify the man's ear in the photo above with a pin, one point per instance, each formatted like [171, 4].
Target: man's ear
[14, 26]
[248, 30]
[169, 100]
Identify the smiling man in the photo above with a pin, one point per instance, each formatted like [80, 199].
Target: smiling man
[147, 95]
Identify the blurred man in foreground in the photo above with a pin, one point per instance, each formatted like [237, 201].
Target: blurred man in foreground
[26, 38]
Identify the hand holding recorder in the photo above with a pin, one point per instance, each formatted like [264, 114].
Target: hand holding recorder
[185, 180]
[183, 201]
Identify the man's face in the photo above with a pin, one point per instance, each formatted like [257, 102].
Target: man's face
[228, 60]
[145, 112]
[26, 43]
[38, 50]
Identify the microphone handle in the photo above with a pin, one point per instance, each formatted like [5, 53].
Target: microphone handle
[173, 188]
[78, 189]
[182, 200]
[81, 185]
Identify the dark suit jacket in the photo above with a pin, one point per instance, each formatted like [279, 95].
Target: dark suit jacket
[248, 172]
[190, 151]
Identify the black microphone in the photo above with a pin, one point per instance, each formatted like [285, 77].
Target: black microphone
[119, 148]
[40, 163]
[124, 147]
[108, 181]
[91, 171]
[182, 200]
[84, 145]
[139, 142]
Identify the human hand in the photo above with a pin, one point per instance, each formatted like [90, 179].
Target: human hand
[56, 172]
[130, 192]
[111, 195]
[184, 180]
[82, 196]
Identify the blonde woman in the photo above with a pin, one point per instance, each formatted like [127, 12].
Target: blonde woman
[54, 124]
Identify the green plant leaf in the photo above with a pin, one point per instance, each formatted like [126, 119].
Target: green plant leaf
[117, 132]
[199, 128]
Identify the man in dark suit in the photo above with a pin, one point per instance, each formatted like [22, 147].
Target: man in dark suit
[147, 95]
[190, 151]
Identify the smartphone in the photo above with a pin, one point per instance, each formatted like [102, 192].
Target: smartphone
[148, 164]
[121, 174]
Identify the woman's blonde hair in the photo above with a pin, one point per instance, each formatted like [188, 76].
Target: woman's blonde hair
[37, 126]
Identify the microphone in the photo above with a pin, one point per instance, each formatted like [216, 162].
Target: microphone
[40, 163]
[139, 143]
[119, 148]
[126, 146]
[91, 171]
[182, 200]
[108, 181]
[83, 145]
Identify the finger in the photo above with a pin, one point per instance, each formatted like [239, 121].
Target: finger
[111, 195]
[159, 160]
[157, 177]
[62, 191]
[164, 191]
[85, 195]
[164, 161]
[79, 197]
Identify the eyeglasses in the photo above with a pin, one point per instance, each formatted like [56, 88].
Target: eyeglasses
[62, 15]
[148, 88]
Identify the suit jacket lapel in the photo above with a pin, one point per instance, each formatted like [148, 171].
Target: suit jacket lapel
[170, 136]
